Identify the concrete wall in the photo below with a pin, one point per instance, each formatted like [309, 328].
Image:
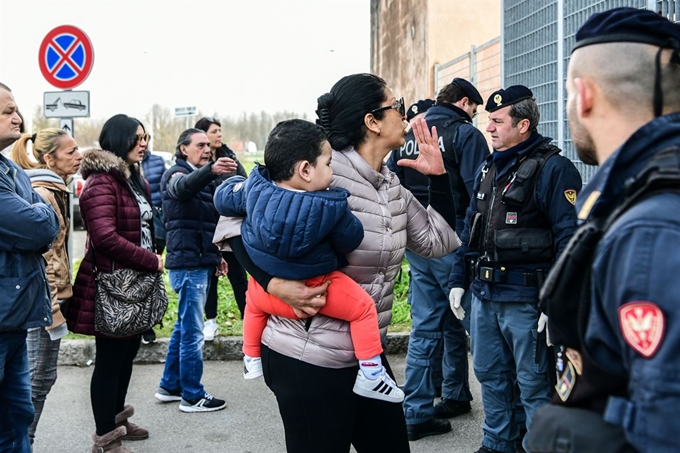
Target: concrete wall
[409, 37]
[457, 25]
[399, 52]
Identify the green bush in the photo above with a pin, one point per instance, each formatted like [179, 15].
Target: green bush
[229, 317]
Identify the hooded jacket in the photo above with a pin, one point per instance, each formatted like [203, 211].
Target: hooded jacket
[114, 226]
[27, 227]
[393, 220]
[54, 191]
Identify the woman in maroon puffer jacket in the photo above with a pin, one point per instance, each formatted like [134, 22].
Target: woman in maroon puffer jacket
[115, 205]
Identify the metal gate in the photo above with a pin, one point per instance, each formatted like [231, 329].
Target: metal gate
[481, 67]
[534, 50]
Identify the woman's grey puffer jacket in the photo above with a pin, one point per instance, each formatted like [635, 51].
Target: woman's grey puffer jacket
[393, 220]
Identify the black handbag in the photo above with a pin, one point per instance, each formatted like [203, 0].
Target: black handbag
[127, 302]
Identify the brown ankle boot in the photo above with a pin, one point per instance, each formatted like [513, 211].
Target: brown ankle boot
[134, 432]
[110, 442]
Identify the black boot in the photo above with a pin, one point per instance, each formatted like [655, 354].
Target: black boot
[432, 427]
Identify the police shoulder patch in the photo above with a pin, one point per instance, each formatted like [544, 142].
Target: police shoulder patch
[237, 187]
[570, 194]
[643, 326]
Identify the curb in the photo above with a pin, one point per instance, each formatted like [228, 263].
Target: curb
[82, 352]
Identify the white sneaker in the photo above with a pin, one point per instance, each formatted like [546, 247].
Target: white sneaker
[252, 369]
[209, 330]
[382, 388]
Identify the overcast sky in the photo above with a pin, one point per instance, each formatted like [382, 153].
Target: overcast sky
[222, 56]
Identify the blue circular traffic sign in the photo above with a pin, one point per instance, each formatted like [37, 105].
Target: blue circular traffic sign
[66, 57]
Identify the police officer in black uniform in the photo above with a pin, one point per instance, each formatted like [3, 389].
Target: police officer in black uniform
[434, 327]
[613, 297]
[521, 217]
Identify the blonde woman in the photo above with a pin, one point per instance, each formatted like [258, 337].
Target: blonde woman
[55, 158]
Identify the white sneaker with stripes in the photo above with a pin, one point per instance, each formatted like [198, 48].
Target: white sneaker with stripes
[381, 388]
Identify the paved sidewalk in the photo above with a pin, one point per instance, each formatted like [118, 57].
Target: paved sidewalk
[249, 424]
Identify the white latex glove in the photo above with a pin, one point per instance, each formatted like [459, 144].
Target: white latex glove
[455, 296]
[543, 324]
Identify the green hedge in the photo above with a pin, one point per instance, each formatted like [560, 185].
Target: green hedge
[229, 317]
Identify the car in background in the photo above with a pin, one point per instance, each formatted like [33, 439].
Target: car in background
[168, 157]
[77, 184]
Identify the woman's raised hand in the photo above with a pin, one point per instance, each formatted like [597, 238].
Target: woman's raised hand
[430, 160]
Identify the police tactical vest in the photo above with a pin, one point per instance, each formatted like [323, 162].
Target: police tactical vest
[418, 183]
[509, 227]
[566, 295]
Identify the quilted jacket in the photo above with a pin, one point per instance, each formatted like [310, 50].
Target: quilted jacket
[393, 220]
[113, 222]
[289, 234]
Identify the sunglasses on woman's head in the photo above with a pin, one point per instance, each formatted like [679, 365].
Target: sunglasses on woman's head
[398, 106]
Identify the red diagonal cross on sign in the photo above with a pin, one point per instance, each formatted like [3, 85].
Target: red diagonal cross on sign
[65, 55]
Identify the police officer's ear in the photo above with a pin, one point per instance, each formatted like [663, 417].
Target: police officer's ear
[585, 96]
[523, 126]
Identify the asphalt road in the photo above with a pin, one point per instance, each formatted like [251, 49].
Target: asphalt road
[249, 424]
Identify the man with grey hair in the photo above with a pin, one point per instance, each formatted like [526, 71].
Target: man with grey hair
[520, 218]
[27, 227]
[187, 191]
[612, 299]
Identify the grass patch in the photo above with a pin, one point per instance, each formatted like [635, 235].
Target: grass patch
[229, 317]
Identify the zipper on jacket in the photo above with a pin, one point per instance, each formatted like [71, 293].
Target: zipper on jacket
[488, 219]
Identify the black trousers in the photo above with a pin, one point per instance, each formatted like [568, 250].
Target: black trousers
[239, 283]
[110, 379]
[321, 413]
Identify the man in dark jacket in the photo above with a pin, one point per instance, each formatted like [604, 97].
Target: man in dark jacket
[619, 389]
[190, 219]
[435, 328]
[520, 218]
[27, 227]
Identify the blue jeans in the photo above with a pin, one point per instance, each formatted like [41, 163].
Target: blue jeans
[433, 327]
[16, 408]
[184, 361]
[504, 342]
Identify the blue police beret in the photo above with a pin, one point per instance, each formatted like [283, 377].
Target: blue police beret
[469, 90]
[505, 97]
[628, 25]
[419, 107]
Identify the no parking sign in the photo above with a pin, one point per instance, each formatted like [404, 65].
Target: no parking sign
[66, 57]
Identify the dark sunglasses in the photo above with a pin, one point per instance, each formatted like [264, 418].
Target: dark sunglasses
[145, 137]
[398, 106]
[212, 120]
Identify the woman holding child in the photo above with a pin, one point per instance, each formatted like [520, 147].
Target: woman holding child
[310, 364]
